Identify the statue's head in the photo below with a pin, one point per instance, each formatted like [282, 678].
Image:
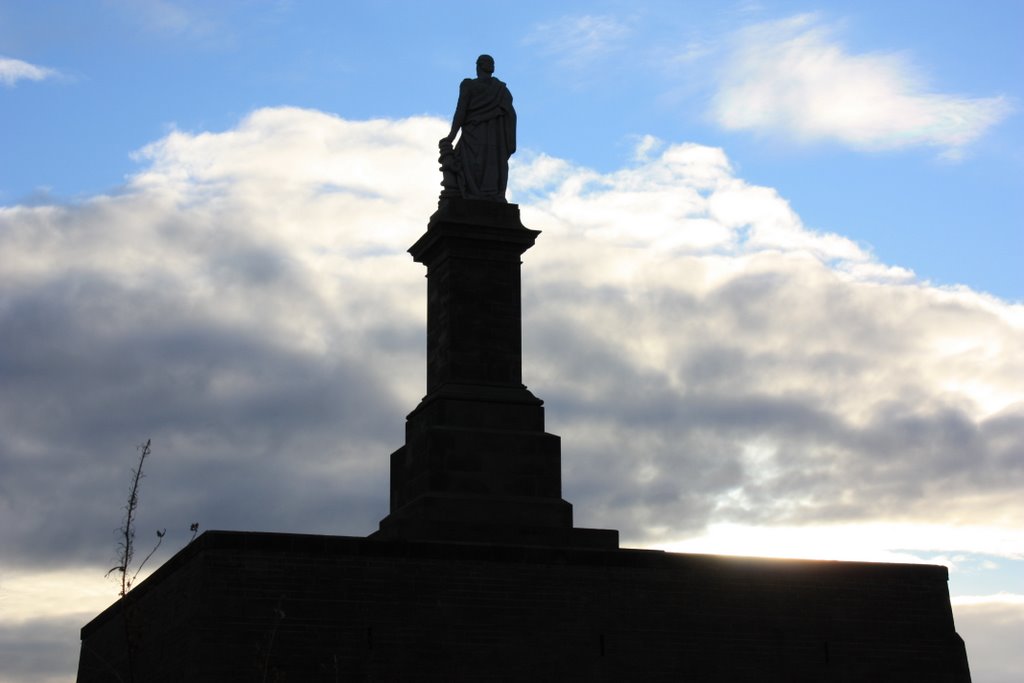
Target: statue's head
[485, 63]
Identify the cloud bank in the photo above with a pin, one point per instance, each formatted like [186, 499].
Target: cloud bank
[246, 301]
[792, 78]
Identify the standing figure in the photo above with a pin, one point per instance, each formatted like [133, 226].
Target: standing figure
[477, 167]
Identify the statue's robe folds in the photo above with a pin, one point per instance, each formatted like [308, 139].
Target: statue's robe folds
[488, 138]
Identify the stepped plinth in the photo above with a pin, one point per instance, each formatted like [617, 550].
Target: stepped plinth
[477, 464]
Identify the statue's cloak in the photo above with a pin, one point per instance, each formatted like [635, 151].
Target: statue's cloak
[488, 138]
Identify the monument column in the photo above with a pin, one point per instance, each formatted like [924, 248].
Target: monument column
[477, 464]
[472, 252]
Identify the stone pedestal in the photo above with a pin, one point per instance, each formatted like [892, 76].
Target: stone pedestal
[477, 465]
[241, 607]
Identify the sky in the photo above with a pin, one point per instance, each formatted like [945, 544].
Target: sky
[776, 307]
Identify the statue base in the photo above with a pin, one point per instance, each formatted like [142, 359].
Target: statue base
[477, 464]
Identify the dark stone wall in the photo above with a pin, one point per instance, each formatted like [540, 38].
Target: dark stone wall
[238, 606]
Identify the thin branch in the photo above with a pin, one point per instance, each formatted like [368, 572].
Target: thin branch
[127, 543]
[160, 539]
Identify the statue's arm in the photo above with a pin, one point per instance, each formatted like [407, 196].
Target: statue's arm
[510, 130]
[460, 111]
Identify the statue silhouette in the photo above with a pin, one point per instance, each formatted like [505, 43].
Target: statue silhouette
[477, 167]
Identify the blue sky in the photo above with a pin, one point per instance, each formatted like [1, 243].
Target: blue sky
[129, 70]
[775, 308]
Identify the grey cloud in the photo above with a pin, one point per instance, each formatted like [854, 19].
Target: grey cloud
[273, 364]
[40, 649]
[832, 378]
[91, 366]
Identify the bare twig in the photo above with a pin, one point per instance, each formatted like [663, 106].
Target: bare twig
[126, 545]
[160, 539]
[126, 553]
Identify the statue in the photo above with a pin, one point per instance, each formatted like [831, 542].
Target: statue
[477, 167]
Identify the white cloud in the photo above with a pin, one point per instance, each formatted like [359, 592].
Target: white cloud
[693, 51]
[14, 70]
[579, 40]
[793, 78]
[247, 302]
[717, 316]
[785, 365]
[996, 599]
[172, 17]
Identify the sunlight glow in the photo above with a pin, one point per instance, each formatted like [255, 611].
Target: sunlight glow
[79, 592]
[862, 542]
